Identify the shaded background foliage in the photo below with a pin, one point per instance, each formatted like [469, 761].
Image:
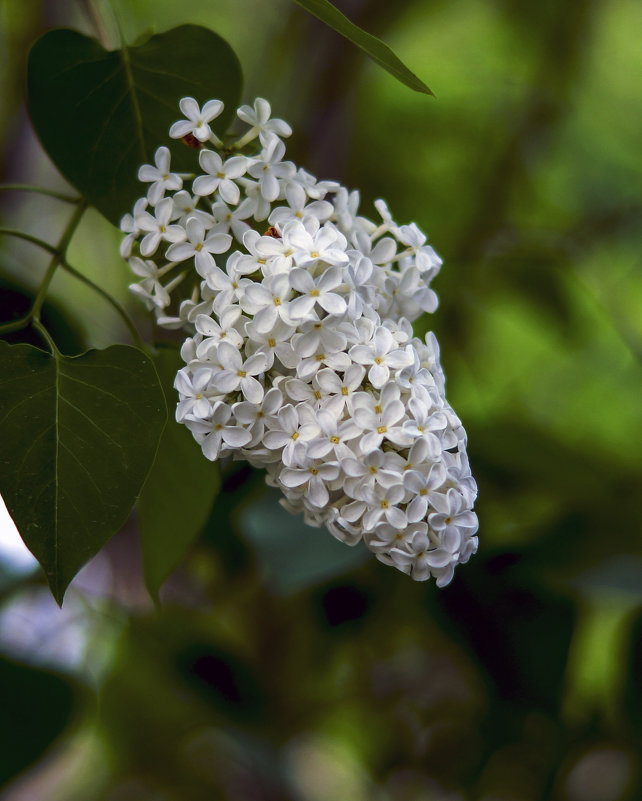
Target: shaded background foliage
[283, 665]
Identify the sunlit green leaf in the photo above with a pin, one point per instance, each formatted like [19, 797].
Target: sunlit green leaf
[177, 497]
[77, 439]
[375, 48]
[100, 114]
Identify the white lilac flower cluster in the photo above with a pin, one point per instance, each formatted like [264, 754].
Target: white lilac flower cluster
[301, 357]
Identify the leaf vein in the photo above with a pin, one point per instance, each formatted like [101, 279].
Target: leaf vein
[93, 422]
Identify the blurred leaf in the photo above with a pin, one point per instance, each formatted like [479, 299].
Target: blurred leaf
[373, 47]
[293, 555]
[77, 439]
[36, 706]
[179, 656]
[222, 679]
[541, 275]
[596, 667]
[632, 708]
[518, 630]
[100, 114]
[179, 492]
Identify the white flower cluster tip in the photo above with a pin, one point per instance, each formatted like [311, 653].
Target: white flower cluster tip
[300, 356]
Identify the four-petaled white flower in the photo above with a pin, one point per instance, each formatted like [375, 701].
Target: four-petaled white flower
[294, 427]
[313, 474]
[198, 120]
[270, 168]
[216, 432]
[312, 292]
[258, 117]
[160, 176]
[220, 176]
[199, 246]
[256, 415]
[157, 228]
[238, 374]
[193, 393]
[382, 355]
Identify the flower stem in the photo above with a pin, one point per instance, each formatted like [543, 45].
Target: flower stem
[39, 327]
[59, 256]
[29, 238]
[136, 337]
[41, 190]
[15, 325]
[247, 137]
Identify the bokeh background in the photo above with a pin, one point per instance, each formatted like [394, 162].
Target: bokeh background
[282, 665]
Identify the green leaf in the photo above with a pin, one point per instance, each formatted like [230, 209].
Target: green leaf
[179, 492]
[40, 706]
[373, 47]
[78, 436]
[100, 114]
[292, 555]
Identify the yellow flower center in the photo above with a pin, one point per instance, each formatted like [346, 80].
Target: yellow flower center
[381, 430]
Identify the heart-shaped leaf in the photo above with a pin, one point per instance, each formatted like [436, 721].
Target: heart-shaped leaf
[101, 114]
[371, 46]
[78, 436]
[179, 492]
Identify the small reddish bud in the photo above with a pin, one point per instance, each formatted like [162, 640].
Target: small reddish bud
[189, 140]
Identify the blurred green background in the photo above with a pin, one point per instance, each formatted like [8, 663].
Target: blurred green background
[282, 665]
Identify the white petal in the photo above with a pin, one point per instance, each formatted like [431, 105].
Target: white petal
[236, 437]
[211, 110]
[252, 389]
[333, 304]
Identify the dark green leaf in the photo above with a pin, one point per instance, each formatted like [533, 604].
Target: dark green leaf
[373, 47]
[177, 497]
[100, 115]
[39, 704]
[77, 439]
